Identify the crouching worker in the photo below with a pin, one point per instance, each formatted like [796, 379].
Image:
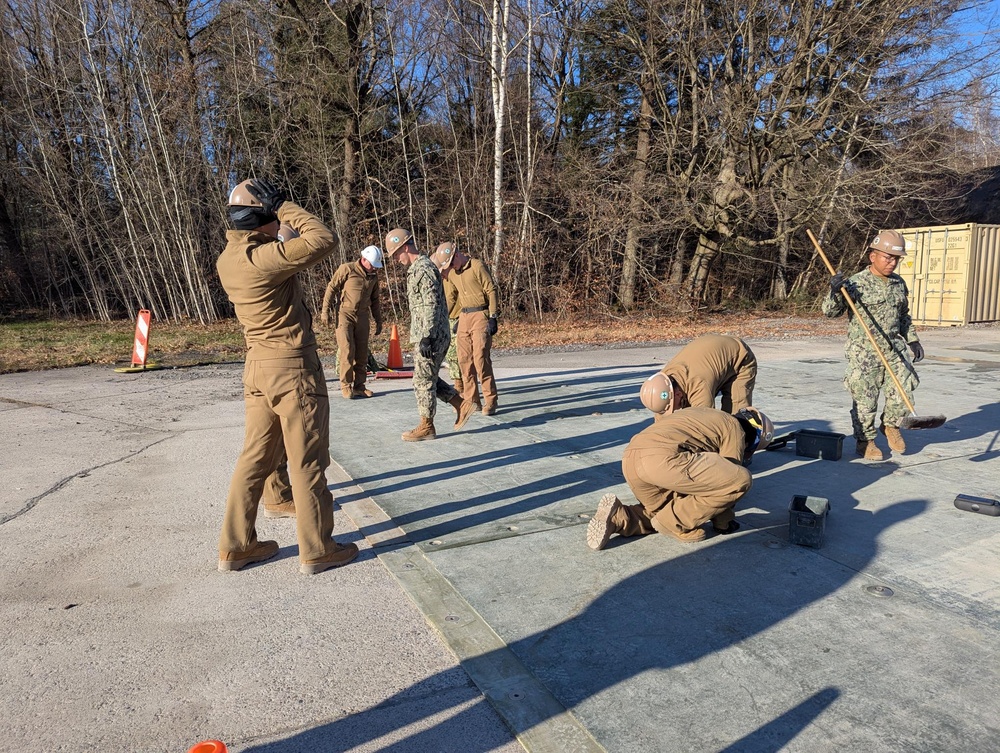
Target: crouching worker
[712, 365]
[685, 469]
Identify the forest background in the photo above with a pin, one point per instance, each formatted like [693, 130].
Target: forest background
[602, 156]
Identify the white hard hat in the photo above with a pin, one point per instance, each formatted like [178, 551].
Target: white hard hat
[373, 255]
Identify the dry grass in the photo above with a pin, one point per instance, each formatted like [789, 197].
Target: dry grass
[35, 345]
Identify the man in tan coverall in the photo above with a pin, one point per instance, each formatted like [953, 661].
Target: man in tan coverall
[287, 407]
[469, 282]
[355, 286]
[685, 470]
[710, 365]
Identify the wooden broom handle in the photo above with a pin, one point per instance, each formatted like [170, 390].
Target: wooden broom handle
[862, 322]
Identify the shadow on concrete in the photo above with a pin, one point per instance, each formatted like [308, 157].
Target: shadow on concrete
[777, 733]
[666, 616]
[980, 423]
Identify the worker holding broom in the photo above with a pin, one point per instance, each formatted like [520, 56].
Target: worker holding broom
[880, 296]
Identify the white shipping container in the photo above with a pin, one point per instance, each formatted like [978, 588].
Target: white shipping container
[953, 274]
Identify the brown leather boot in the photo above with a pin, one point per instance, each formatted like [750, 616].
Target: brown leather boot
[462, 411]
[424, 430]
[895, 437]
[363, 392]
[866, 449]
[262, 550]
[490, 408]
[347, 391]
[283, 510]
[341, 555]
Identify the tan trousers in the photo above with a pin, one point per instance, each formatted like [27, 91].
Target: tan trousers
[680, 492]
[352, 351]
[474, 359]
[277, 487]
[287, 407]
[738, 392]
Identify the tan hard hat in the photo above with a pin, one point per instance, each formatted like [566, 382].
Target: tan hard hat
[241, 197]
[889, 242]
[443, 256]
[396, 238]
[657, 393]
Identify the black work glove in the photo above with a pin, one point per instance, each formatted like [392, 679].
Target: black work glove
[425, 348]
[378, 329]
[270, 196]
[454, 327]
[491, 325]
[837, 282]
[918, 352]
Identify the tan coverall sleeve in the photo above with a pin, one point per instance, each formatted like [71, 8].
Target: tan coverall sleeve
[315, 243]
[333, 289]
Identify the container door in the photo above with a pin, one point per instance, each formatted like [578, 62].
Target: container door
[936, 271]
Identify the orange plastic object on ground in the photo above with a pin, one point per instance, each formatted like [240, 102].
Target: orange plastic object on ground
[209, 746]
[395, 354]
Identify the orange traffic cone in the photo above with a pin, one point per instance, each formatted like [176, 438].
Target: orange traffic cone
[395, 354]
[209, 746]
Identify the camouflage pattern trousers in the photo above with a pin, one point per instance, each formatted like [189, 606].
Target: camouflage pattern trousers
[426, 382]
[452, 358]
[866, 377]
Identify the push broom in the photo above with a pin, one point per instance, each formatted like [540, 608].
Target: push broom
[912, 421]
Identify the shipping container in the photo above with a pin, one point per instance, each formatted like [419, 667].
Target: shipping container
[953, 274]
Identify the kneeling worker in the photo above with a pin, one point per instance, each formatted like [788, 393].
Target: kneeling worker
[685, 469]
[708, 366]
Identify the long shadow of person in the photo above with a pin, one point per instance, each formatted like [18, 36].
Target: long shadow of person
[666, 618]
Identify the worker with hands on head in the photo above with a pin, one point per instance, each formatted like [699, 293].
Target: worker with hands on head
[428, 332]
[284, 389]
[354, 290]
[711, 365]
[685, 470]
[469, 282]
[881, 296]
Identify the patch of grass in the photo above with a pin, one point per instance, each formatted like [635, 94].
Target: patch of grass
[48, 344]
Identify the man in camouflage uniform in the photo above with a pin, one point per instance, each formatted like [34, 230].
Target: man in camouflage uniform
[711, 365]
[429, 331]
[354, 290]
[880, 295]
[468, 282]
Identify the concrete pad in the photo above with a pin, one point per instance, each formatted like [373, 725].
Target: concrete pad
[742, 642]
[122, 635]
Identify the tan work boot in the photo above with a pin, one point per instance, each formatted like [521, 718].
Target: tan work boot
[490, 408]
[462, 411]
[341, 555]
[363, 392]
[283, 510]
[866, 449]
[424, 430]
[262, 550]
[601, 527]
[459, 385]
[347, 392]
[895, 437]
